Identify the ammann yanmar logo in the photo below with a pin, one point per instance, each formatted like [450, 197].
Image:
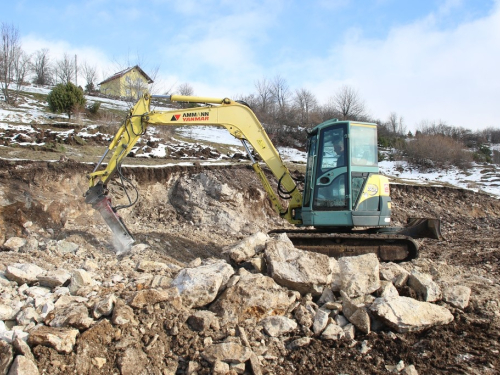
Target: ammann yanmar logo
[194, 116]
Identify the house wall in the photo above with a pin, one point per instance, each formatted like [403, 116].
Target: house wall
[131, 84]
[111, 88]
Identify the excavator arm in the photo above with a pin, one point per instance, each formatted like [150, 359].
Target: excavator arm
[237, 118]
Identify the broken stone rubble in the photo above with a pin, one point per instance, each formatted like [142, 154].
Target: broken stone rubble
[303, 294]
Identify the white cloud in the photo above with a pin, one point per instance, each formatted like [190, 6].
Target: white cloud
[57, 49]
[423, 72]
[221, 50]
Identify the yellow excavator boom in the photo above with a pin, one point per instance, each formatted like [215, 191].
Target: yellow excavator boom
[237, 118]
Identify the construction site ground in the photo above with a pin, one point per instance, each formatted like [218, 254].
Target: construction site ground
[200, 222]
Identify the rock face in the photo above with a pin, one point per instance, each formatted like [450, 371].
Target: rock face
[304, 271]
[205, 200]
[405, 314]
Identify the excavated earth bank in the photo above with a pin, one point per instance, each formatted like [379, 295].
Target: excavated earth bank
[185, 213]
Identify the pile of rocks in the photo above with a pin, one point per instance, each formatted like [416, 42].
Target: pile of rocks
[238, 315]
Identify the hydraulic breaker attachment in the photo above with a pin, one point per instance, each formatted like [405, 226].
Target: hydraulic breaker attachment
[122, 239]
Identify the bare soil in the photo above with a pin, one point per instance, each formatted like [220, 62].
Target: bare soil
[49, 194]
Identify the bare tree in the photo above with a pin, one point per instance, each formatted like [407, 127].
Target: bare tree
[264, 96]
[153, 74]
[305, 102]
[22, 65]
[169, 90]
[90, 75]
[135, 88]
[65, 69]
[41, 67]
[348, 103]
[10, 47]
[396, 124]
[281, 93]
[185, 89]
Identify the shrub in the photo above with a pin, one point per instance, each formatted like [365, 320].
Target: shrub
[93, 108]
[66, 98]
[483, 154]
[437, 151]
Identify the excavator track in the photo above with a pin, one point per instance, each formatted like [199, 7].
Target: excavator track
[390, 244]
[388, 248]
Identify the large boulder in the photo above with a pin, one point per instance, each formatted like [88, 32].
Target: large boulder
[76, 316]
[405, 314]
[247, 248]
[303, 271]
[424, 286]
[54, 278]
[23, 273]
[229, 352]
[23, 366]
[275, 326]
[61, 339]
[394, 273]
[14, 243]
[253, 296]
[199, 286]
[359, 274]
[6, 357]
[80, 279]
[457, 295]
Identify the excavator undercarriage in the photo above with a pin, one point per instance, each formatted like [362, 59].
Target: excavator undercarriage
[390, 244]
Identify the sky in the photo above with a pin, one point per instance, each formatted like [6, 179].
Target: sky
[426, 60]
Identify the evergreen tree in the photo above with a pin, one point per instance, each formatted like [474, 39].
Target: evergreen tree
[66, 98]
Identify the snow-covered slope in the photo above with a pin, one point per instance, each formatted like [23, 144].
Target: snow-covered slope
[16, 124]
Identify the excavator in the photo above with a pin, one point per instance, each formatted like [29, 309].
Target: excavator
[341, 208]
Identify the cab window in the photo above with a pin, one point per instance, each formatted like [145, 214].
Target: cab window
[364, 145]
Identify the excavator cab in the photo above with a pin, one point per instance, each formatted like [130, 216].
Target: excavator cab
[343, 187]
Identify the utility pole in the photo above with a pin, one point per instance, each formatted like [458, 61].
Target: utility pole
[76, 72]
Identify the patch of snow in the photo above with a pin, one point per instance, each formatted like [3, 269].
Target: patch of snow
[209, 133]
[474, 178]
[292, 155]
